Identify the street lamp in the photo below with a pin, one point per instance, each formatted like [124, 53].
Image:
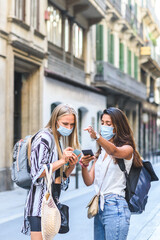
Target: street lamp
[145, 117]
[151, 97]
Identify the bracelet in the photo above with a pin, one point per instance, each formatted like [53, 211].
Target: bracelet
[83, 165]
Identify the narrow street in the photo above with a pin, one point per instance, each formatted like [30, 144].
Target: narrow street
[143, 227]
[66, 65]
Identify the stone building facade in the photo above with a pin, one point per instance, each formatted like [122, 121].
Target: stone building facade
[88, 53]
[43, 55]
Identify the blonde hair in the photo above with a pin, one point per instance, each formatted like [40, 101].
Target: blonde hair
[72, 140]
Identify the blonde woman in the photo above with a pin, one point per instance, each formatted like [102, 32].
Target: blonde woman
[47, 148]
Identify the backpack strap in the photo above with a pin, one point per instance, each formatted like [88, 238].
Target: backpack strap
[30, 140]
[53, 141]
[29, 147]
[122, 166]
[29, 150]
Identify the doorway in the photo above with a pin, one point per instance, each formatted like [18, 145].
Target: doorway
[27, 98]
[17, 105]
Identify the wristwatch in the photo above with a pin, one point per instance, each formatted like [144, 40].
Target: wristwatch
[97, 136]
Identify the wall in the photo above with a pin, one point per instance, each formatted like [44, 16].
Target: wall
[56, 91]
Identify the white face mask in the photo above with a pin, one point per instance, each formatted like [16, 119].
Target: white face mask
[64, 131]
[107, 132]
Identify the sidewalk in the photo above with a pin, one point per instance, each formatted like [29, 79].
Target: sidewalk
[12, 202]
[145, 226]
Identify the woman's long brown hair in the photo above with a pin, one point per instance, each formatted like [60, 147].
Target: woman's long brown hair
[123, 133]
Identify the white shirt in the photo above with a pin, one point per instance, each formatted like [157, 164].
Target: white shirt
[114, 181]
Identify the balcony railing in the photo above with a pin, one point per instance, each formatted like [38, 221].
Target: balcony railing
[102, 4]
[116, 4]
[114, 78]
[130, 17]
[147, 4]
[66, 70]
[154, 55]
[151, 52]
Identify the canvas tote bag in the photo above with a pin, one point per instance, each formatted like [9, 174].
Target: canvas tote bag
[50, 215]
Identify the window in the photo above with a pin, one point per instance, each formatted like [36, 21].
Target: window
[136, 67]
[129, 4]
[54, 26]
[77, 41]
[110, 47]
[121, 56]
[99, 42]
[99, 113]
[152, 87]
[67, 33]
[135, 9]
[53, 105]
[93, 122]
[80, 125]
[143, 76]
[35, 14]
[129, 55]
[81, 113]
[20, 9]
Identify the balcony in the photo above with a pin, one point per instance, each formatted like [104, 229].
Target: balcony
[65, 70]
[127, 19]
[127, 14]
[102, 4]
[150, 18]
[109, 77]
[150, 60]
[92, 10]
[131, 23]
[116, 4]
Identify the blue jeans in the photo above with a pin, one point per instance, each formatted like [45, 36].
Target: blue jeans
[113, 222]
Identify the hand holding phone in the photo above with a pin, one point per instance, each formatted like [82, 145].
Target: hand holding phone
[77, 151]
[87, 152]
[88, 156]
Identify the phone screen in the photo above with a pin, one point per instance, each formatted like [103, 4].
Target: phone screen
[88, 152]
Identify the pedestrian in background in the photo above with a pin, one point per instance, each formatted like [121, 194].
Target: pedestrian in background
[47, 149]
[116, 141]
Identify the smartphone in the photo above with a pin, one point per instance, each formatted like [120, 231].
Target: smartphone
[88, 152]
[77, 151]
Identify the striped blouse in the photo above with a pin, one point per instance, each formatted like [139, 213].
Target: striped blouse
[43, 151]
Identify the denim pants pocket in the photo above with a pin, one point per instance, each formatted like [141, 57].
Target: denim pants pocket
[113, 222]
[127, 214]
[110, 202]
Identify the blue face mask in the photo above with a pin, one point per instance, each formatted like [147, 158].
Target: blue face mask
[107, 132]
[65, 131]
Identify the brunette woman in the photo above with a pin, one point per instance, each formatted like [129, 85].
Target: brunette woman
[116, 141]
